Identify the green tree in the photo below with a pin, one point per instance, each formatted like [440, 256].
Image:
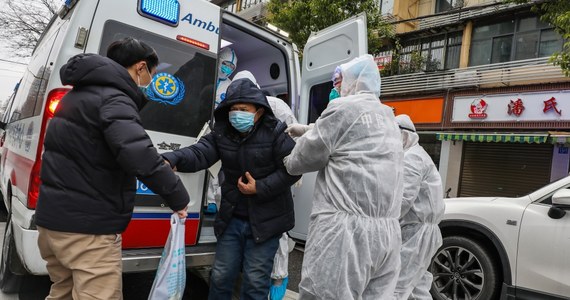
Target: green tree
[557, 13]
[301, 17]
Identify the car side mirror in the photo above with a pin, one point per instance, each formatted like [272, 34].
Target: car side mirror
[561, 197]
[560, 204]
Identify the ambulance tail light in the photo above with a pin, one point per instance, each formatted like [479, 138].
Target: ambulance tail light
[193, 42]
[53, 99]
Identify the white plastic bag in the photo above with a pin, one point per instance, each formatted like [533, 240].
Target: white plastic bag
[170, 279]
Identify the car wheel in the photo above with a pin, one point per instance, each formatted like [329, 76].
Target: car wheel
[464, 269]
[9, 282]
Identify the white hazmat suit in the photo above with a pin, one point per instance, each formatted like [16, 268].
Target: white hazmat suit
[353, 244]
[422, 210]
[226, 66]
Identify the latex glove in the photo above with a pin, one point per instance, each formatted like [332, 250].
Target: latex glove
[297, 130]
[277, 291]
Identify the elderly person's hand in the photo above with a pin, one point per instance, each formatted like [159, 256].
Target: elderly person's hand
[249, 187]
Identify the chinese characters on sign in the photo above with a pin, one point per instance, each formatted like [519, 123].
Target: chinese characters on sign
[166, 146]
[515, 108]
[535, 106]
[550, 104]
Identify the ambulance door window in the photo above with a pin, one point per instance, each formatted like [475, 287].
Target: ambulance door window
[182, 92]
[319, 99]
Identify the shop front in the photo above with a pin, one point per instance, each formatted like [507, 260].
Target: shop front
[505, 144]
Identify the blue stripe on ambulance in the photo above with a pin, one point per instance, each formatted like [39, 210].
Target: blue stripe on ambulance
[140, 215]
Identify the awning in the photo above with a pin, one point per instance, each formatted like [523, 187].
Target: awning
[530, 138]
[559, 137]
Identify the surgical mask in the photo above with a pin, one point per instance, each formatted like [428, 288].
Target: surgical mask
[334, 94]
[226, 69]
[143, 88]
[242, 121]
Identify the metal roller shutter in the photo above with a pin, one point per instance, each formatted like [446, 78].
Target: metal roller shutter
[504, 169]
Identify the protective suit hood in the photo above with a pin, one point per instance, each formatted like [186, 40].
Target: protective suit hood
[360, 76]
[409, 136]
[246, 75]
[280, 109]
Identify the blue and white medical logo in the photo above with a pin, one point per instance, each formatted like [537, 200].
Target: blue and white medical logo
[167, 89]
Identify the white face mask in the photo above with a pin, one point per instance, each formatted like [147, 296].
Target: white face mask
[144, 87]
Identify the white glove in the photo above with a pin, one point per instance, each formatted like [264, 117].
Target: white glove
[297, 130]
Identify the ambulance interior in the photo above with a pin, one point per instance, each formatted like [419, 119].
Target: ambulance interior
[262, 58]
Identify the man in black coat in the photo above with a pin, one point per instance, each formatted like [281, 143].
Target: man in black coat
[257, 205]
[95, 148]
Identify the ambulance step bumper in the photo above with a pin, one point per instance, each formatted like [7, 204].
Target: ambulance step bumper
[141, 260]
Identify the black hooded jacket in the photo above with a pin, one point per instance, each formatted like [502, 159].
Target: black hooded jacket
[260, 153]
[95, 147]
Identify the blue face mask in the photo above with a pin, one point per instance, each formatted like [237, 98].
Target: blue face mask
[242, 121]
[226, 71]
[334, 94]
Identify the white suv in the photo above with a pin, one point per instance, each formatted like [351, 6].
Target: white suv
[507, 248]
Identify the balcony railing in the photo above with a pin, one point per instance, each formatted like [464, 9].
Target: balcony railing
[530, 71]
[460, 15]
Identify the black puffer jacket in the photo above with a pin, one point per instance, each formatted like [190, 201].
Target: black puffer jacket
[260, 153]
[94, 147]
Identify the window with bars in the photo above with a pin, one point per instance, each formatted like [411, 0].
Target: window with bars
[517, 39]
[431, 53]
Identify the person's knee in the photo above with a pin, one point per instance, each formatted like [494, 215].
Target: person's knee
[257, 279]
[221, 275]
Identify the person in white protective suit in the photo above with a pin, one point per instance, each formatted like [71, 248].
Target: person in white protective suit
[226, 66]
[280, 274]
[422, 210]
[353, 243]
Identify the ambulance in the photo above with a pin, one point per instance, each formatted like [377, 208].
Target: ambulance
[187, 35]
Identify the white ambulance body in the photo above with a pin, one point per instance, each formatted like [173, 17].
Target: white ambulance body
[187, 36]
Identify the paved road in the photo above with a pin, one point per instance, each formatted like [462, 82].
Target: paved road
[137, 286]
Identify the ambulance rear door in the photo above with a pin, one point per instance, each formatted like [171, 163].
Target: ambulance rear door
[323, 51]
[185, 35]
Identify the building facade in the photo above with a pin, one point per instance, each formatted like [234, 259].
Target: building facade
[475, 77]
[504, 109]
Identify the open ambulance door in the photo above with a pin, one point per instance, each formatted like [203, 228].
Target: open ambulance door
[323, 51]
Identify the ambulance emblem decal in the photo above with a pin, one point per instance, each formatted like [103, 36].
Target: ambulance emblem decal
[166, 89]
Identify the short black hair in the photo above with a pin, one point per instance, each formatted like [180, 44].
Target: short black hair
[129, 51]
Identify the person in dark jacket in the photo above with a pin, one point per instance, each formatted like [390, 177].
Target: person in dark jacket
[257, 205]
[95, 148]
